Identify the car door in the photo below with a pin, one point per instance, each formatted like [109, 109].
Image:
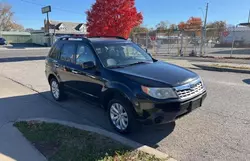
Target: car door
[87, 81]
[65, 64]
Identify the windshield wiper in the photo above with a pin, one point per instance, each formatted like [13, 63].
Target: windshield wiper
[126, 65]
[139, 62]
[116, 66]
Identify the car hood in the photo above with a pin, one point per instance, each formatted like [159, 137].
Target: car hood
[161, 72]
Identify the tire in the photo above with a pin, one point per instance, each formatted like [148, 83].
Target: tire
[56, 90]
[131, 125]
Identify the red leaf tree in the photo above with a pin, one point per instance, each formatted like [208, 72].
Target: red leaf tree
[194, 23]
[112, 18]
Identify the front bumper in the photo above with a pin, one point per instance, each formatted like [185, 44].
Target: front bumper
[155, 113]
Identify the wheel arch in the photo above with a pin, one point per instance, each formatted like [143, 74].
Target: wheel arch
[50, 76]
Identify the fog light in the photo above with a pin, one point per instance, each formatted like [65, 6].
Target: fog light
[136, 103]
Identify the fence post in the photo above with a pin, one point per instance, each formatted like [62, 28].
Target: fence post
[146, 40]
[181, 52]
[231, 54]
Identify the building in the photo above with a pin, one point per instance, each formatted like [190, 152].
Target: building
[239, 35]
[59, 28]
[16, 36]
[56, 29]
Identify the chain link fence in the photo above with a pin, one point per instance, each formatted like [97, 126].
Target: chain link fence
[175, 43]
[229, 42]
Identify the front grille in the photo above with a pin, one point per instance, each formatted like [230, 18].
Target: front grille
[190, 90]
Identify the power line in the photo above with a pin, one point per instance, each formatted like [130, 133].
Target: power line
[56, 8]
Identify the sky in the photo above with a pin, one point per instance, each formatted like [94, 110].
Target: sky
[28, 12]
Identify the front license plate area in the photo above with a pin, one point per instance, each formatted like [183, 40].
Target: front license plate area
[195, 104]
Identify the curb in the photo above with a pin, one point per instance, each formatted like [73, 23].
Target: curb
[221, 69]
[116, 137]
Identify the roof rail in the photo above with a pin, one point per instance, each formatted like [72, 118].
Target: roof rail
[73, 37]
[117, 37]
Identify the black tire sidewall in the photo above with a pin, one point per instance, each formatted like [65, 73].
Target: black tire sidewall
[131, 119]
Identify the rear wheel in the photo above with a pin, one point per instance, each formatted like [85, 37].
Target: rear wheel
[121, 116]
[56, 90]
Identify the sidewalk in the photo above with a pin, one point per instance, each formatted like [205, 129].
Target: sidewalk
[210, 65]
[14, 147]
[18, 102]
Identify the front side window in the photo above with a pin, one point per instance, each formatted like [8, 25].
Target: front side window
[84, 54]
[121, 54]
[67, 53]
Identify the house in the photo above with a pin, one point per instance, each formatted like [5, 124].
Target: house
[55, 29]
[60, 28]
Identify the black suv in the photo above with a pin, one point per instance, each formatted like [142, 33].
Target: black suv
[124, 79]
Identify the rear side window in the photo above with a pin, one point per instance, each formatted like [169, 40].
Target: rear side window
[55, 51]
[67, 53]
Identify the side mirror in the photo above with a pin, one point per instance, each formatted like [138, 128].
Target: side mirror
[88, 65]
[146, 49]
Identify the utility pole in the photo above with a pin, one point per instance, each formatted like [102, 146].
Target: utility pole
[249, 17]
[46, 10]
[204, 32]
[181, 50]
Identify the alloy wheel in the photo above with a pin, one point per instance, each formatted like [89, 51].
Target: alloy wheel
[119, 116]
[55, 89]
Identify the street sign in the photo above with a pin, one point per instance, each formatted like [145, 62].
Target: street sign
[152, 38]
[46, 9]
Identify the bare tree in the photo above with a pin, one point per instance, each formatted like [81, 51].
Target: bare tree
[29, 29]
[162, 26]
[215, 28]
[7, 22]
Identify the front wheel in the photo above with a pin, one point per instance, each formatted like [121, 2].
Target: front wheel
[121, 116]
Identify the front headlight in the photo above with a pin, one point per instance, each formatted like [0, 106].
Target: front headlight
[159, 93]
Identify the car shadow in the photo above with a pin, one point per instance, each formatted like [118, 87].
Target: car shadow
[247, 81]
[82, 110]
[18, 59]
[149, 135]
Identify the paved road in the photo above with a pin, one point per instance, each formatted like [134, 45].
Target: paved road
[15, 53]
[218, 131]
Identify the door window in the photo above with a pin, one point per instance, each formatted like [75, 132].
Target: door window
[84, 54]
[67, 53]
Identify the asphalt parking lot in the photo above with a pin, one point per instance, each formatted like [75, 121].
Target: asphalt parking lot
[219, 130]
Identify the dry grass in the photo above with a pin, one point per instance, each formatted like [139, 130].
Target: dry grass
[60, 143]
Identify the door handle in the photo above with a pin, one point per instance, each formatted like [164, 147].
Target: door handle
[74, 71]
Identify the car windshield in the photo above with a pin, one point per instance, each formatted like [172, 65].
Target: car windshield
[121, 54]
